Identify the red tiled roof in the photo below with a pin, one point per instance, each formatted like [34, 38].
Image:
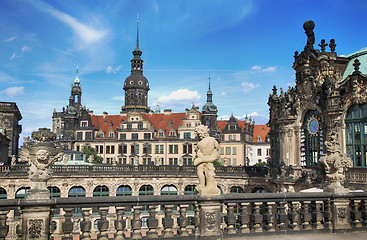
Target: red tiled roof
[222, 124]
[261, 130]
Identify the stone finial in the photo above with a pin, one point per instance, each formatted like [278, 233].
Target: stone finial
[275, 90]
[356, 65]
[323, 45]
[332, 45]
[308, 26]
[43, 135]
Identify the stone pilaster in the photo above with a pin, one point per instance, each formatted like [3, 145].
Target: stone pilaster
[36, 223]
[209, 219]
[340, 213]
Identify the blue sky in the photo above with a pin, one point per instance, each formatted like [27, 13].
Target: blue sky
[245, 46]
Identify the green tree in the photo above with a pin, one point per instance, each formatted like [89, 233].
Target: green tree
[90, 151]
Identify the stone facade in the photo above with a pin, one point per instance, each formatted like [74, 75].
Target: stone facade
[310, 119]
[10, 129]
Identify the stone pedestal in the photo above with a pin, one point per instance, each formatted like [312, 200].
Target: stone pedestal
[340, 214]
[36, 223]
[210, 219]
[38, 194]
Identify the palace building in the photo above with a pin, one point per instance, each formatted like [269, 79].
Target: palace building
[139, 135]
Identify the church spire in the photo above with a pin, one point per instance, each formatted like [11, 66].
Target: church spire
[77, 81]
[137, 52]
[209, 94]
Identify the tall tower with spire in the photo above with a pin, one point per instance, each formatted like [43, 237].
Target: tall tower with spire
[210, 113]
[75, 99]
[136, 86]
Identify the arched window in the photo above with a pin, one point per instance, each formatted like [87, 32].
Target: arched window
[124, 190]
[77, 191]
[101, 191]
[236, 189]
[54, 192]
[356, 134]
[189, 190]
[2, 193]
[146, 190]
[21, 193]
[258, 190]
[311, 139]
[169, 190]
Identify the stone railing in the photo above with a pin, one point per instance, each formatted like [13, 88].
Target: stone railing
[186, 217]
[136, 169]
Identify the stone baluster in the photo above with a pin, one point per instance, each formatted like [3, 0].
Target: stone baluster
[168, 221]
[85, 224]
[293, 216]
[256, 217]
[152, 222]
[355, 214]
[245, 217]
[282, 216]
[120, 223]
[327, 215]
[268, 217]
[317, 215]
[4, 229]
[230, 218]
[103, 223]
[364, 212]
[67, 225]
[305, 215]
[197, 220]
[136, 223]
[183, 221]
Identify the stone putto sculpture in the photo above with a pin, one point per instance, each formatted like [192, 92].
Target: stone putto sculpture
[207, 152]
[40, 155]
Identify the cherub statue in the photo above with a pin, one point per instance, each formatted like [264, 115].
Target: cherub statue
[207, 153]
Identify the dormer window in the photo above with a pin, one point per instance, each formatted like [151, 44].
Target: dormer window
[84, 123]
[172, 133]
[100, 134]
[161, 133]
[111, 134]
[259, 138]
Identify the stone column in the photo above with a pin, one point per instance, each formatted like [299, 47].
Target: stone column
[40, 155]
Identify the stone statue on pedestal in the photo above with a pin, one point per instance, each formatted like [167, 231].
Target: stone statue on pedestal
[40, 155]
[207, 152]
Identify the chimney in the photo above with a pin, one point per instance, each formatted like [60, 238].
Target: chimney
[167, 112]
[91, 112]
[105, 114]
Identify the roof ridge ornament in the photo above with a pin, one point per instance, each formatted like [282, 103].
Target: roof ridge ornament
[323, 45]
[356, 65]
[332, 45]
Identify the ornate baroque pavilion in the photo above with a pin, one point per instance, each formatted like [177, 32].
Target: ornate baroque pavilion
[323, 114]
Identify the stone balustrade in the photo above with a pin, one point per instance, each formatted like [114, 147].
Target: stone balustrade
[136, 169]
[136, 217]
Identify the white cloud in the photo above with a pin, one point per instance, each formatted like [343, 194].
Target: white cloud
[247, 86]
[156, 7]
[29, 130]
[14, 55]
[25, 48]
[253, 114]
[9, 39]
[85, 33]
[268, 69]
[110, 69]
[179, 98]
[118, 98]
[223, 93]
[14, 91]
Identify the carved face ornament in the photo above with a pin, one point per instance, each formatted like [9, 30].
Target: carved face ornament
[42, 155]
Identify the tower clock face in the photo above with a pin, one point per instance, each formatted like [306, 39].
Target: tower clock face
[313, 125]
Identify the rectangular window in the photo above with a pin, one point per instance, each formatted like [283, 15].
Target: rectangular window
[125, 149]
[88, 136]
[147, 136]
[79, 136]
[140, 126]
[234, 151]
[173, 161]
[228, 162]
[108, 149]
[120, 149]
[77, 148]
[161, 149]
[234, 161]
[134, 136]
[112, 149]
[136, 149]
[259, 152]
[122, 136]
[132, 149]
[173, 149]
[84, 124]
[228, 150]
[222, 151]
[187, 135]
[147, 149]
[267, 151]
